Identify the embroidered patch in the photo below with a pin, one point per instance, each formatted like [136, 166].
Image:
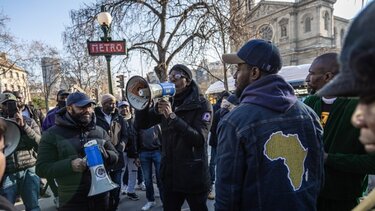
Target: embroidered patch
[206, 116]
[289, 149]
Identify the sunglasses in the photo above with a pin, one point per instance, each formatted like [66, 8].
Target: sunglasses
[176, 76]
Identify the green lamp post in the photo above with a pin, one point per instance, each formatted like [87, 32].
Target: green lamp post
[105, 19]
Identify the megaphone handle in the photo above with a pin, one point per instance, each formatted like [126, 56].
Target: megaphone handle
[85, 160]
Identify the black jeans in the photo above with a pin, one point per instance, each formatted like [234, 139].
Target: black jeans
[173, 201]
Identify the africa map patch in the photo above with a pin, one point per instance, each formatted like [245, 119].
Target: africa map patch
[289, 149]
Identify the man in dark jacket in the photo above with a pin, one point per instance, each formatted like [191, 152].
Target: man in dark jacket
[149, 148]
[346, 163]
[20, 177]
[270, 154]
[49, 121]
[185, 122]
[61, 154]
[227, 104]
[131, 160]
[108, 118]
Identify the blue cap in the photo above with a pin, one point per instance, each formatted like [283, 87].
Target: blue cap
[260, 53]
[78, 99]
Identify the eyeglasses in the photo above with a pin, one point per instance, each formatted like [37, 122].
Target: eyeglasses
[176, 76]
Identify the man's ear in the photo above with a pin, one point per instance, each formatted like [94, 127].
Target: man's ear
[255, 74]
[69, 108]
[328, 76]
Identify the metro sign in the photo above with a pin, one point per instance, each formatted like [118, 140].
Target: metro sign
[97, 48]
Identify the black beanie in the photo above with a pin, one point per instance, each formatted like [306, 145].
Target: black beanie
[184, 69]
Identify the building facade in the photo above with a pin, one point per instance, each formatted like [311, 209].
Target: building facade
[302, 30]
[13, 77]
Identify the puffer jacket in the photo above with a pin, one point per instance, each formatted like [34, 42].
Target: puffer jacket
[63, 143]
[269, 152]
[184, 163]
[25, 154]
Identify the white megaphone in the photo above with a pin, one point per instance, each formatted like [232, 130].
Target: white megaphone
[100, 182]
[12, 136]
[140, 93]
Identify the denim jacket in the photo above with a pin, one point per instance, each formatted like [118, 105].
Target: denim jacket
[270, 152]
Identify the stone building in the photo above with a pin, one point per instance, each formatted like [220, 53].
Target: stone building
[13, 77]
[302, 30]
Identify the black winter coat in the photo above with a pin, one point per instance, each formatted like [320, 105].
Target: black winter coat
[184, 163]
[63, 143]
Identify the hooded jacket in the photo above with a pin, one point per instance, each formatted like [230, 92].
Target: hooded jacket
[63, 143]
[184, 162]
[270, 152]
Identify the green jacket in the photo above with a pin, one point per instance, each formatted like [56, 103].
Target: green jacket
[347, 163]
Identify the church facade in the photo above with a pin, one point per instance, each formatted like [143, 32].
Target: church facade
[302, 30]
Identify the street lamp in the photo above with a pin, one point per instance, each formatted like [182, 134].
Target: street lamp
[105, 19]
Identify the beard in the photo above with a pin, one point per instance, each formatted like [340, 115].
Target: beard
[126, 115]
[61, 104]
[238, 92]
[81, 118]
[20, 105]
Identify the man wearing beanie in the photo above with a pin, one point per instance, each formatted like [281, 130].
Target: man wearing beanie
[61, 154]
[269, 150]
[185, 120]
[108, 118]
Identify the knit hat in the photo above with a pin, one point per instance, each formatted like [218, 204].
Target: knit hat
[260, 53]
[107, 97]
[184, 69]
[357, 59]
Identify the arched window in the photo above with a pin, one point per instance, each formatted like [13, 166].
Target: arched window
[284, 27]
[326, 21]
[307, 24]
[342, 34]
[283, 31]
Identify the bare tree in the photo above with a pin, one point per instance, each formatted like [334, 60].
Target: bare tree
[161, 29]
[8, 46]
[230, 32]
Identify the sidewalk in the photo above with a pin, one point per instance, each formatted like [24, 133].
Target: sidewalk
[46, 204]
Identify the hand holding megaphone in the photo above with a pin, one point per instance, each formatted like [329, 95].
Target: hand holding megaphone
[79, 165]
[164, 107]
[140, 93]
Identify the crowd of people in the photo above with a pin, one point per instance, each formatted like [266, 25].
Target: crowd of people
[269, 150]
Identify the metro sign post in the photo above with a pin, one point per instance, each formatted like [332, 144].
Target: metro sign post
[106, 46]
